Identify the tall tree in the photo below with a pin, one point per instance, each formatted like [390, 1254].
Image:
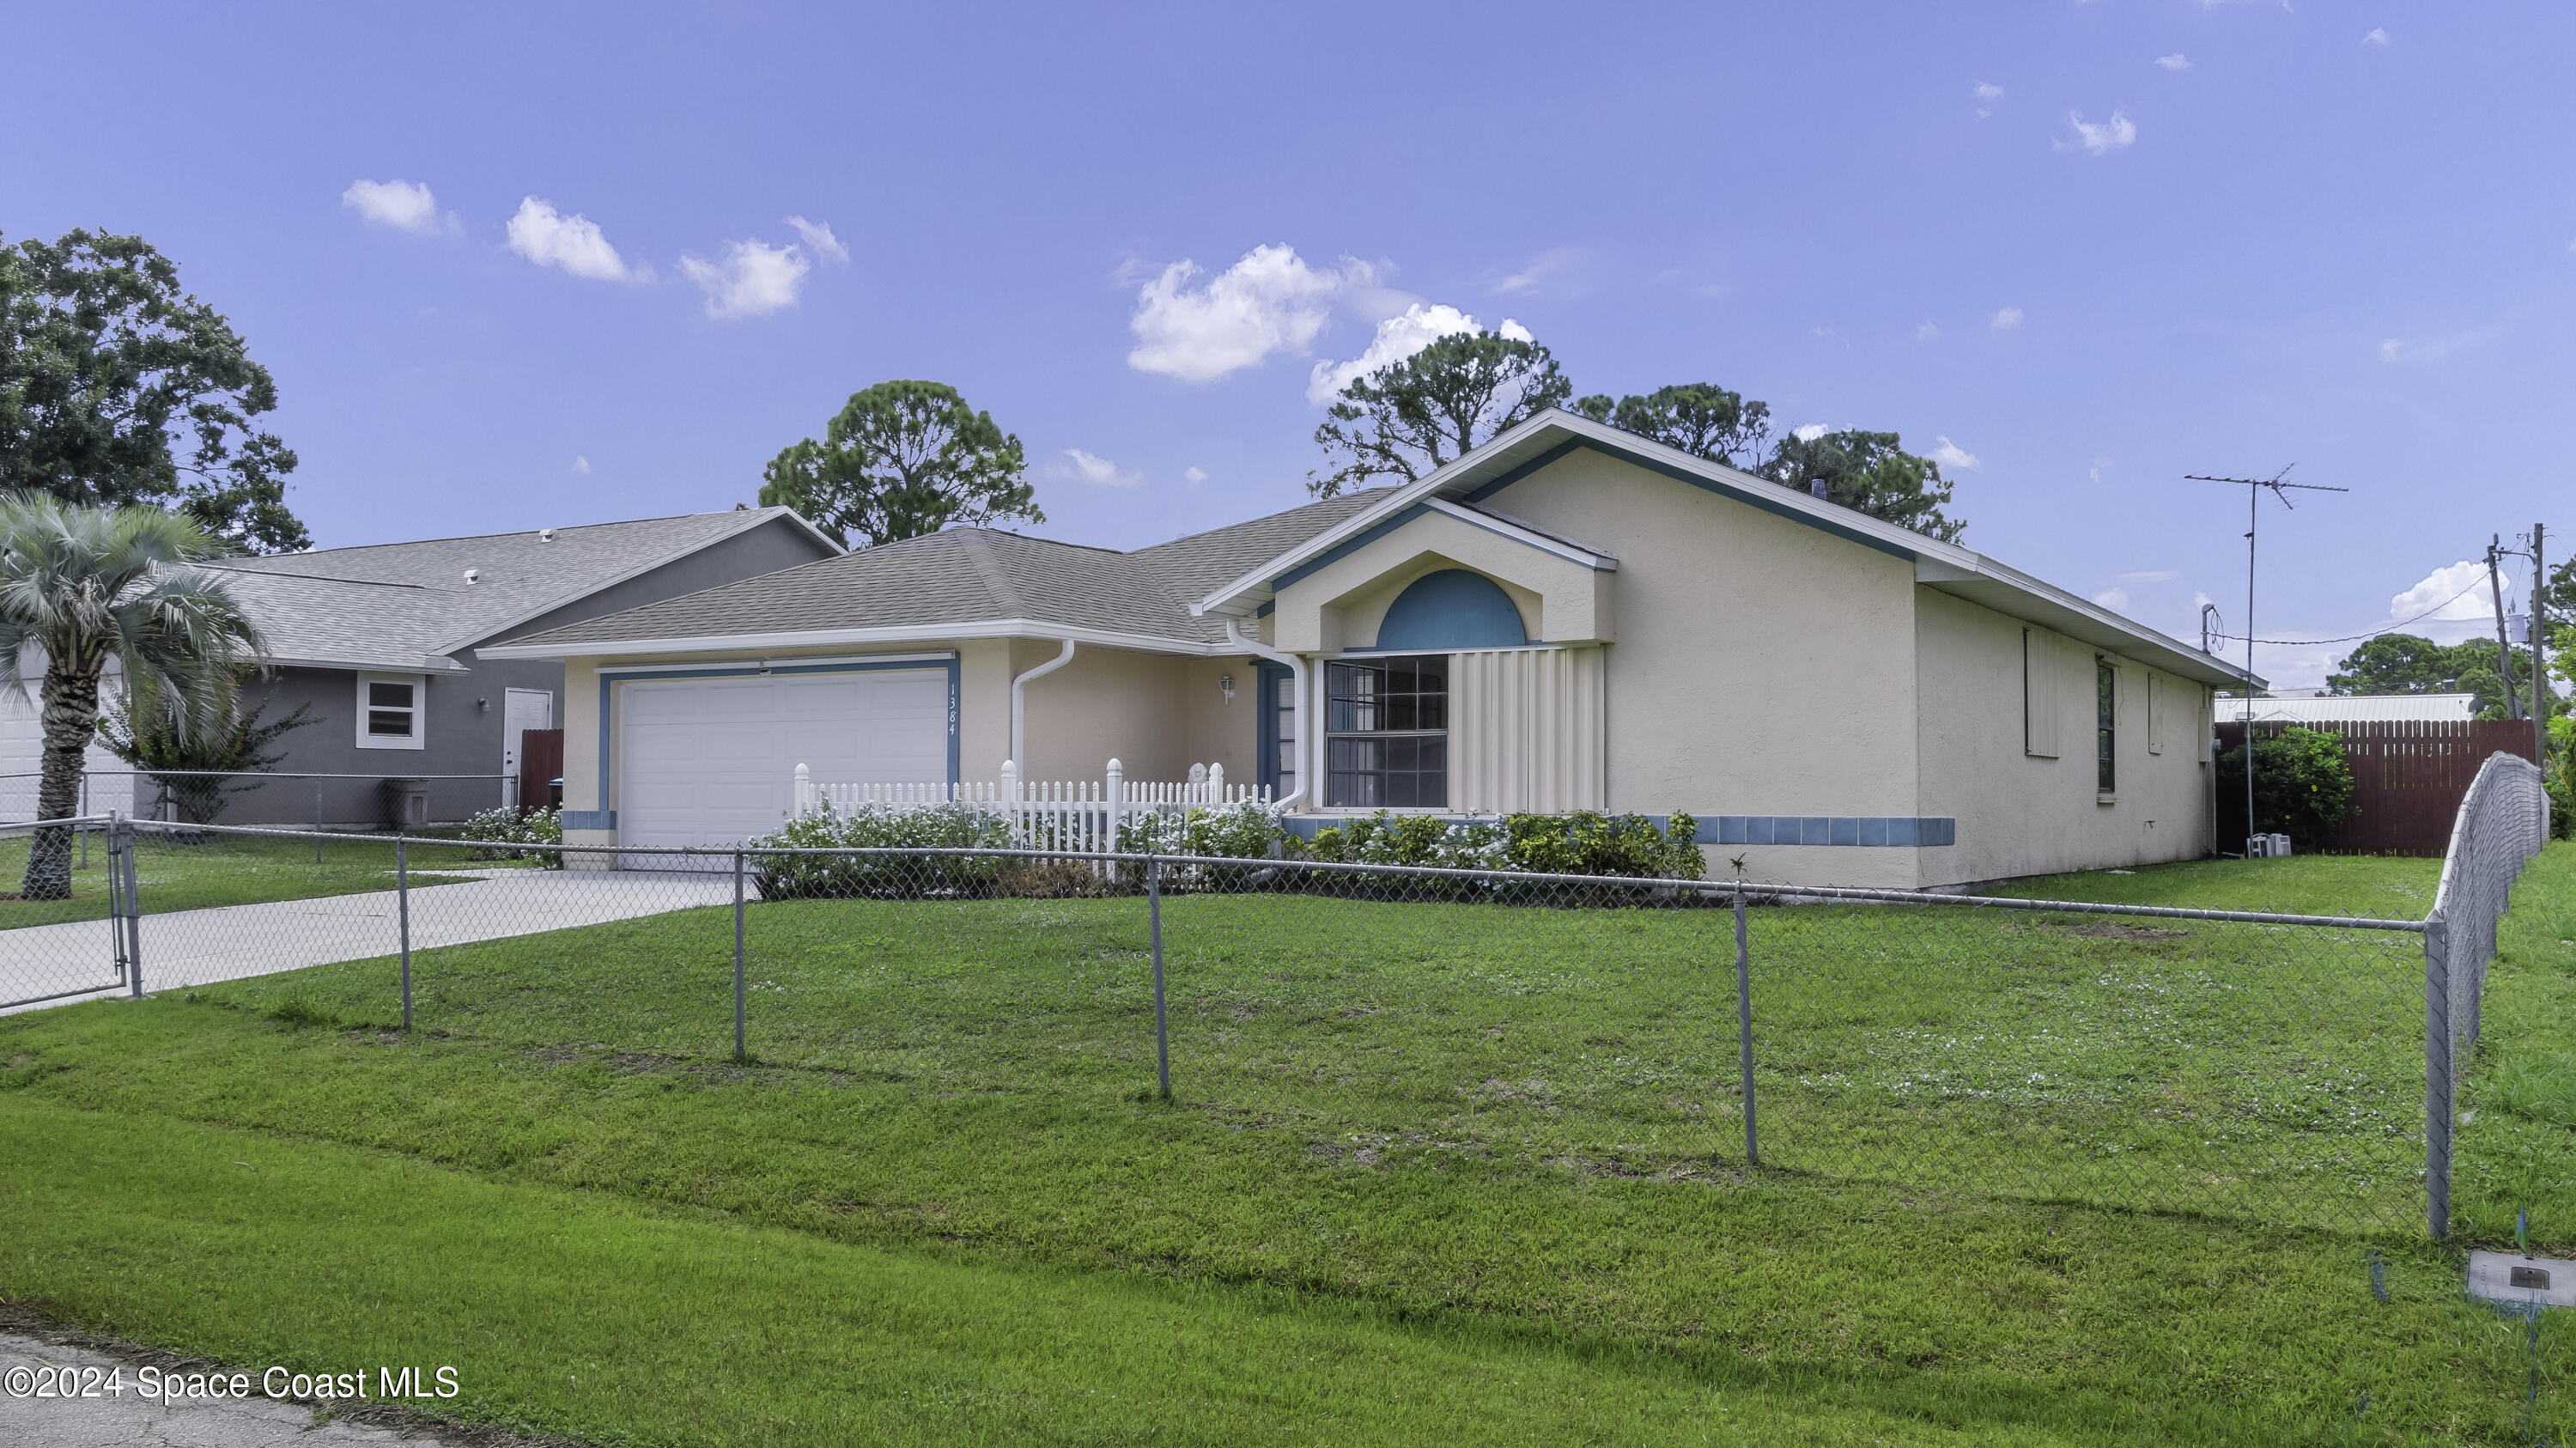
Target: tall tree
[118, 388]
[901, 459]
[1870, 472]
[1700, 418]
[81, 585]
[1410, 418]
[2400, 663]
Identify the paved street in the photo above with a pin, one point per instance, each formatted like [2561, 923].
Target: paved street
[198, 947]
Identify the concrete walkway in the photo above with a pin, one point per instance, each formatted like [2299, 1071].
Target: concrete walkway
[199, 947]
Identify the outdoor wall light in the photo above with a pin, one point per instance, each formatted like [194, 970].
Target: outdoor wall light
[1225, 686]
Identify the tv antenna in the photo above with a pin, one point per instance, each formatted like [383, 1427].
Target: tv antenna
[2254, 489]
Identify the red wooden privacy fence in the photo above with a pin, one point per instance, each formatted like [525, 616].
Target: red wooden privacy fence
[2408, 776]
[540, 764]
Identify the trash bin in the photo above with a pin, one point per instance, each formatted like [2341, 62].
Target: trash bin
[407, 803]
[554, 793]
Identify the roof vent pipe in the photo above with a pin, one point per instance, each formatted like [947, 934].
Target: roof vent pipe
[1297, 672]
[1019, 709]
[1817, 487]
[545, 535]
[473, 575]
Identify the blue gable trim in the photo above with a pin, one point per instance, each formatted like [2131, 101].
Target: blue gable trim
[1451, 609]
[1317, 565]
[1752, 498]
[606, 819]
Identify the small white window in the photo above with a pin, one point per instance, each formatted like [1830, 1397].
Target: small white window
[390, 711]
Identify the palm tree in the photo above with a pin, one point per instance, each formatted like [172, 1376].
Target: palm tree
[81, 585]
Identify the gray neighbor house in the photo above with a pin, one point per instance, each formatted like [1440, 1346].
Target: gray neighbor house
[378, 645]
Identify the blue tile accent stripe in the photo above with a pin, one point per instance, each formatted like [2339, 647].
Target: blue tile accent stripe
[1897, 831]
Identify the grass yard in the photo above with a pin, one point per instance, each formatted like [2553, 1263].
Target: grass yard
[1432, 1144]
[221, 870]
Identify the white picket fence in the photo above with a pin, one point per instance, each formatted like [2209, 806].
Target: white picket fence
[1046, 814]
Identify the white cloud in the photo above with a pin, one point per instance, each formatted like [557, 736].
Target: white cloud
[818, 236]
[2114, 599]
[2094, 473]
[2470, 606]
[752, 279]
[1268, 303]
[2115, 134]
[1553, 266]
[574, 243]
[2005, 319]
[402, 205]
[1399, 337]
[1950, 455]
[2175, 61]
[1100, 471]
[580, 464]
[2378, 36]
[1194, 476]
[1810, 432]
[1989, 91]
[1926, 331]
[2438, 349]
[2150, 575]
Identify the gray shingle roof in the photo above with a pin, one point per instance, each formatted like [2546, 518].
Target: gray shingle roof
[977, 575]
[404, 605]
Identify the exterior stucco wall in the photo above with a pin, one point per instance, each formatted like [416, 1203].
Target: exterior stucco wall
[1763, 667]
[1107, 704]
[2024, 815]
[460, 735]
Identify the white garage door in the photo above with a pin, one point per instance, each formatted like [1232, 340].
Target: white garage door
[713, 761]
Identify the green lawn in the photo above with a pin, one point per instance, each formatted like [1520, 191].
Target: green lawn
[194, 872]
[1431, 1143]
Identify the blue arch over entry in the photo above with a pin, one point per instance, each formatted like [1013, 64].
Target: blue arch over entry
[1451, 609]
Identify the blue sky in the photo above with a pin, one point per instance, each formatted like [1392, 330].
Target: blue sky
[2092, 246]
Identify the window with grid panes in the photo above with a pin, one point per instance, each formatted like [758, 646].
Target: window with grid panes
[1386, 733]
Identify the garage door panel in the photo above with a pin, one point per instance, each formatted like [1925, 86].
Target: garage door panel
[711, 762]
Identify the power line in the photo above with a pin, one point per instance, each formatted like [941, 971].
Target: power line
[2348, 638]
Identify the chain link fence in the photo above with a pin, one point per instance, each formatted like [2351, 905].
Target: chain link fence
[2295, 1070]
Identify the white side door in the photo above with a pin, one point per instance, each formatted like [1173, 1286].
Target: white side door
[521, 711]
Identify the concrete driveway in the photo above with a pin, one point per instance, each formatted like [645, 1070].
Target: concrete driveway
[199, 947]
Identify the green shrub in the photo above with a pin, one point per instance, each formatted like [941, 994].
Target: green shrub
[1582, 843]
[878, 826]
[2302, 784]
[511, 826]
[1243, 831]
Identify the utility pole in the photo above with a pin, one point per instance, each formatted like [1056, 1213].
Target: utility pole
[2539, 626]
[2504, 652]
[2253, 494]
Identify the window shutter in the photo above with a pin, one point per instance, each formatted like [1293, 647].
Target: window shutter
[2039, 670]
[1528, 730]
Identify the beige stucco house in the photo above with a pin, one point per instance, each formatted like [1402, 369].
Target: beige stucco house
[1568, 617]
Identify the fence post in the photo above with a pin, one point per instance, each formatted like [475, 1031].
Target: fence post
[804, 791]
[2437, 1075]
[133, 918]
[1116, 805]
[1162, 1031]
[402, 917]
[116, 896]
[1744, 1029]
[737, 955]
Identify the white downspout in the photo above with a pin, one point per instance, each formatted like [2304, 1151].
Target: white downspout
[1305, 712]
[1019, 708]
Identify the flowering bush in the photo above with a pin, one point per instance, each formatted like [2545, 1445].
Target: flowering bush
[1246, 830]
[1582, 843]
[881, 826]
[509, 825]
